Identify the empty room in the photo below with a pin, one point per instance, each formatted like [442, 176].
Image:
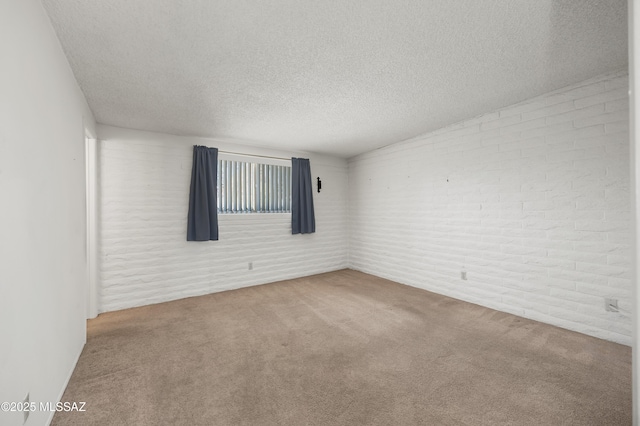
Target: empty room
[318, 213]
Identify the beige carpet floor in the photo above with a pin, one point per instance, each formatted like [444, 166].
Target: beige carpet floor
[342, 348]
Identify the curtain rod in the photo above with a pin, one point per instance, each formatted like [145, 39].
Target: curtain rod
[253, 155]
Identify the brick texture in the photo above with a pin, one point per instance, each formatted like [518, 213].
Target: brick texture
[531, 201]
[144, 255]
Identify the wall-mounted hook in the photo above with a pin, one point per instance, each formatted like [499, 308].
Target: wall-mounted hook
[319, 184]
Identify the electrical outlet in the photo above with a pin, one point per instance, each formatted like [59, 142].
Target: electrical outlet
[611, 305]
[25, 408]
[463, 275]
[250, 266]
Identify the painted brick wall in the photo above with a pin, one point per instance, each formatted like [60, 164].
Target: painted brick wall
[144, 255]
[532, 201]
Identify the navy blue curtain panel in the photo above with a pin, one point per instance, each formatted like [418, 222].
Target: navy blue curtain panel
[303, 220]
[202, 223]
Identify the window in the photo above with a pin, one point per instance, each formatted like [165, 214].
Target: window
[245, 187]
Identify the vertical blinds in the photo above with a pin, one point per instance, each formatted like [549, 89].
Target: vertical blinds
[253, 188]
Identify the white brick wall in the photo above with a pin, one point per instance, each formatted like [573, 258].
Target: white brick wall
[144, 255]
[533, 201]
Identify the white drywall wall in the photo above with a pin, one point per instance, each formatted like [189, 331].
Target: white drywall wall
[634, 154]
[533, 200]
[43, 116]
[144, 255]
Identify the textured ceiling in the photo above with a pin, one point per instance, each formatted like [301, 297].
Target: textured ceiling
[333, 76]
